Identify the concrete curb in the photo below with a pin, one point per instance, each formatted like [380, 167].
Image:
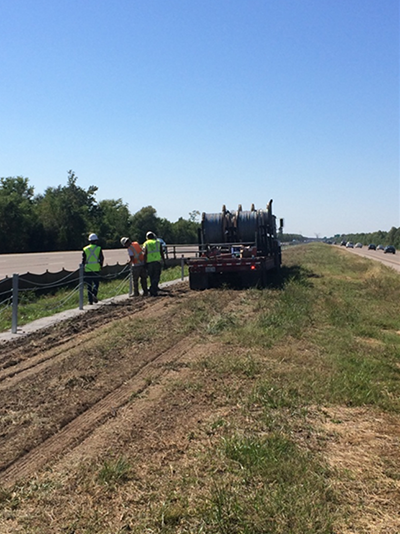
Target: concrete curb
[46, 322]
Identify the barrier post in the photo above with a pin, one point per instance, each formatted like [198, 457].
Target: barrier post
[14, 320]
[182, 267]
[131, 280]
[81, 286]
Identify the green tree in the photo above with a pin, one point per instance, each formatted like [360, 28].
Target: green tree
[391, 237]
[185, 231]
[17, 215]
[194, 216]
[113, 222]
[165, 230]
[143, 221]
[67, 214]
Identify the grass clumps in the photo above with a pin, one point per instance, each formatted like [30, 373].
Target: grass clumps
[281, 416]
[32, 306]
[272, 487]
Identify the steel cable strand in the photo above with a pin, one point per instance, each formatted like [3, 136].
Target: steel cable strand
[7, 306]
[42, 286]
[51, 284]
[118, 289]
[65, 300]
[116, 275]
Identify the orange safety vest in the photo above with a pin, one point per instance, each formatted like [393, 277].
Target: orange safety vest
[137, 253]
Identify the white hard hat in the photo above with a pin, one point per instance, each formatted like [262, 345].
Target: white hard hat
[124, 241]
[150, 235]
[93, 237]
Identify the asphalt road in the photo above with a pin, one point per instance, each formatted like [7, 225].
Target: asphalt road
[40, 262]
[391, 260]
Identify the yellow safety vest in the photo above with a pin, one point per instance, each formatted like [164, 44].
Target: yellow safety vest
[92, 263]
[153, 250]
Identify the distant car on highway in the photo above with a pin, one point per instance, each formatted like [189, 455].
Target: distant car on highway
[343, 243]
[358, 245]
[389, 250]
[371, 246]
[380, 247]
[349, 244]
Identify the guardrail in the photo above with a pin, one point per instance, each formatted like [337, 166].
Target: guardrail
[12, 287]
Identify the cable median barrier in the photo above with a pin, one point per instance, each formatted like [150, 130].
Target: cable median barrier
[21, 292]
[5, 304]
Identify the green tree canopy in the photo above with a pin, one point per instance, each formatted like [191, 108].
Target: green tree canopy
[113, 222]
[143, 221]
[67, 213]
[17, 216]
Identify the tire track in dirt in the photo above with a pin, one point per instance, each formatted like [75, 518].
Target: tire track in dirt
[57, 334]
[78, 429]
[11, 375]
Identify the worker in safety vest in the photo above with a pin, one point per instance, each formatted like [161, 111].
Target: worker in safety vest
[136, 258]
[153, 255]
[93, 259]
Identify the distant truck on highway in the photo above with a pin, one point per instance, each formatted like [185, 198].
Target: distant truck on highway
[237, 248]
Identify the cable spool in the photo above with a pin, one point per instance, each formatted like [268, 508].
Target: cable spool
[238, 226]
[263, 218]
[213, 227]
[246, 226]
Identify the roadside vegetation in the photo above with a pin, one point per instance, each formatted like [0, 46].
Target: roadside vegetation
[286, 421]
[392, 237]
[32, 307]
[62, 218]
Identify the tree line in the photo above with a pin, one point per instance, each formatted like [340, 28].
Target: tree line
[62, 217]
[392, 237]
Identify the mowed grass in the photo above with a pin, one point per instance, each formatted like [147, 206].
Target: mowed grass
[325, 334]
[32, 306]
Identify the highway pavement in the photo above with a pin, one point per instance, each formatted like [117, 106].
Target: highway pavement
[40, 262]
[391, 260]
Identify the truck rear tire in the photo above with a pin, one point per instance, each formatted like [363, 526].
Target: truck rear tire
[198, 281]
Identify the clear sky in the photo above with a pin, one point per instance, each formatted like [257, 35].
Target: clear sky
[191, 104]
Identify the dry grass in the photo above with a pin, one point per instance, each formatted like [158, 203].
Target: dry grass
[277, 411]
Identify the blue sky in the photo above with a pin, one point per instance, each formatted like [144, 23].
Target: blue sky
[191, 104]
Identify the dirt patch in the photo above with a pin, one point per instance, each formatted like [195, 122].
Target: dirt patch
[58, 385]
[127, 385]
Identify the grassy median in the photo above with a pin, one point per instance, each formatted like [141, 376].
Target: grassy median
[32, 306]
[285, 420]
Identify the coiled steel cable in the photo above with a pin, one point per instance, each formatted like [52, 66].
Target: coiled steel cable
[213, 227]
